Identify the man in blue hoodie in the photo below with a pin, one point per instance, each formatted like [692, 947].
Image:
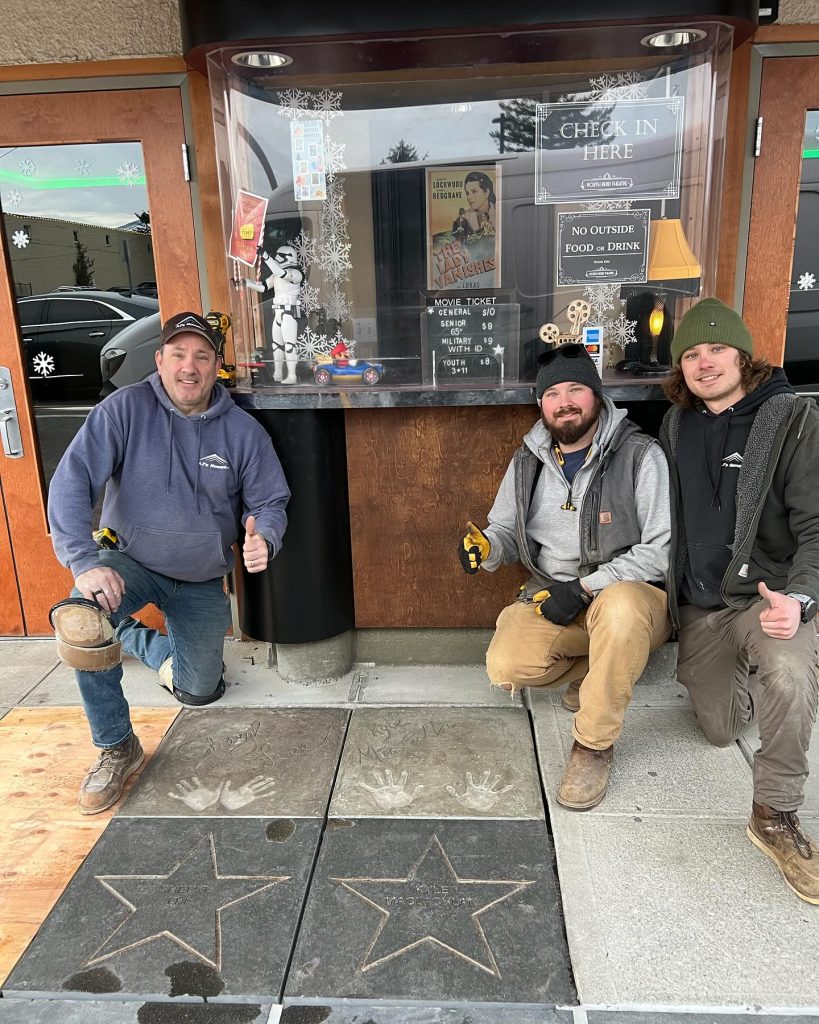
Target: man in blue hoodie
[744, 581]
[181, 466]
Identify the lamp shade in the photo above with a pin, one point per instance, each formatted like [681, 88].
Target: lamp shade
[669, 254]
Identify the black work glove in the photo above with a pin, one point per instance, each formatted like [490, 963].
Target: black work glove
[562, 602]
[473, 549]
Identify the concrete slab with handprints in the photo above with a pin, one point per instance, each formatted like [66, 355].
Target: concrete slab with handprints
[438, 763]
[255, 762]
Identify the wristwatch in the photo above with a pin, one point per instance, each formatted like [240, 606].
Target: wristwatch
[808, 606]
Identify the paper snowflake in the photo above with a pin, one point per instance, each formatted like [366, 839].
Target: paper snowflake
[14, 197]
[602, 298]
[293, 103]
[305, 247]
[627, 85]
[807, 282]
[309, 298]
[27, 167]
[338, 306]
[621, 330]
[82, 167]
[327, 104]
[334, 258]
[310, 344]
[43, 364]
[334, 157]
[20, 239]
[129, 173]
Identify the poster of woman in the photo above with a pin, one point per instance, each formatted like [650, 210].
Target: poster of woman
[463, 227]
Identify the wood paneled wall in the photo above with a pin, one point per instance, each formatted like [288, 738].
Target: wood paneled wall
[415, 477]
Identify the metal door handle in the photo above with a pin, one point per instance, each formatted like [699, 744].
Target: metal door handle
[9, 427]
[96, 334]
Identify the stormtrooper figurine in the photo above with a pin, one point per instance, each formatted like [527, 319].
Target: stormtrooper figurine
[285, 278]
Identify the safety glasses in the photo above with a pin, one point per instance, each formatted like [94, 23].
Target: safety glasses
[572, 350]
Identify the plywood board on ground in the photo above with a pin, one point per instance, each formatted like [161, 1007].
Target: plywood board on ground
[44, 753]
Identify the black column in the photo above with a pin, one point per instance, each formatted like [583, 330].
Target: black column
[306, 594]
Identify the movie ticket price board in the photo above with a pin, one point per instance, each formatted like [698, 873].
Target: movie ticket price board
[469, 339]
[602, 248]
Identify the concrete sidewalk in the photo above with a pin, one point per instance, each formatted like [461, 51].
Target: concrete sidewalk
[668, 908]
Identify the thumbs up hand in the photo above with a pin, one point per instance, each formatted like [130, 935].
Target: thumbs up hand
[782, 616]
[254, 549]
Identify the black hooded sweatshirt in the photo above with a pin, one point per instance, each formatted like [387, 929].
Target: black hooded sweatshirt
[709, 456]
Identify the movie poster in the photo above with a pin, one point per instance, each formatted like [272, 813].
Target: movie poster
[464, 227]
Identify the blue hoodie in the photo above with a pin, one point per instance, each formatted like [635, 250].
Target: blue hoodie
[177, 485]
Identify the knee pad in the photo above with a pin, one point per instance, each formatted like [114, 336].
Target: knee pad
[84, 635]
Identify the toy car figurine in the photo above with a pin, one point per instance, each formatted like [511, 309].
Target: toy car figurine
[353, 371]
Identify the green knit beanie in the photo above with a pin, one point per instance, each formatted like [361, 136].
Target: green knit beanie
[711, 322]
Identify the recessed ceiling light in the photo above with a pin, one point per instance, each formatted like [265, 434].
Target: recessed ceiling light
[261, 59]
[674, 37]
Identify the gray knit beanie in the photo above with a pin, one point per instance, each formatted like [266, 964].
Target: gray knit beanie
[711, 322]
[569, 362]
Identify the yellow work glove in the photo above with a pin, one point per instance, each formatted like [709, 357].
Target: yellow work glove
[473, 549]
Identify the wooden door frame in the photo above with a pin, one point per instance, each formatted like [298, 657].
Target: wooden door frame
[775, 172]
[153, 116]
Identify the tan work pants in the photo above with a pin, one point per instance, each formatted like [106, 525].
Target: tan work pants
[716, 650]
[606, 646]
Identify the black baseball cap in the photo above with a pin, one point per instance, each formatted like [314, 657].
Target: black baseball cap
[188, 323]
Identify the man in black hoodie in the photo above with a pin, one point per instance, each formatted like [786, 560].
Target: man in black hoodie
[744, 580]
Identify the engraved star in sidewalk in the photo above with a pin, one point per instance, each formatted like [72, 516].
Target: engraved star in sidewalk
[432, 904]
[184, 906]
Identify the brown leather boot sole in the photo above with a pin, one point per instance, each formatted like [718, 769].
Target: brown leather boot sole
[571, 697]
[585, 779]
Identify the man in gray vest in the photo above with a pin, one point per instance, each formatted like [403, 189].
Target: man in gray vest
[744, 579]
[585, 506]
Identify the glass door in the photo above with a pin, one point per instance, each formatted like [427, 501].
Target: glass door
[97, 235]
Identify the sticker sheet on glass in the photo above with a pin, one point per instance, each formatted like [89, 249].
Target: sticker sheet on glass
[245, 763]
[309, 160]
[444, 762]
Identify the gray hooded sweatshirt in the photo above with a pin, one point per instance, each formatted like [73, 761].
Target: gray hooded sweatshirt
[621, 529]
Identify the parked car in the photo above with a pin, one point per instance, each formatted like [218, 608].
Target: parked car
[129, 357]
[63, 334]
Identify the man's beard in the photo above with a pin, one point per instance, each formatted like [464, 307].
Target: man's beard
[565, 431]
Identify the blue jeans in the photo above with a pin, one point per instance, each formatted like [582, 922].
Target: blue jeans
[197, 616]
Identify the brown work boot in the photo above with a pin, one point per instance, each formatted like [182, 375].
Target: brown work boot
[779, 835]
[571, 697]
[586, 778]
[102, 786]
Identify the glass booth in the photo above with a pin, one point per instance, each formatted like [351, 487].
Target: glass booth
[396, 216]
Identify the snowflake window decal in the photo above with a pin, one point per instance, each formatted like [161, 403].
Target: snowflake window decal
[43, 364]
[622, 330]
[602, 298]
[327, 104]
[305, 248]
[27, 168]
[311, 344]
[14, 197]
[20, 239]
[293, 103]
[309, 298]
[129, 173]
[334, 157]
[627, 85]
[807, 282]
[338, 306]
[334, 258]
[82, 167]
